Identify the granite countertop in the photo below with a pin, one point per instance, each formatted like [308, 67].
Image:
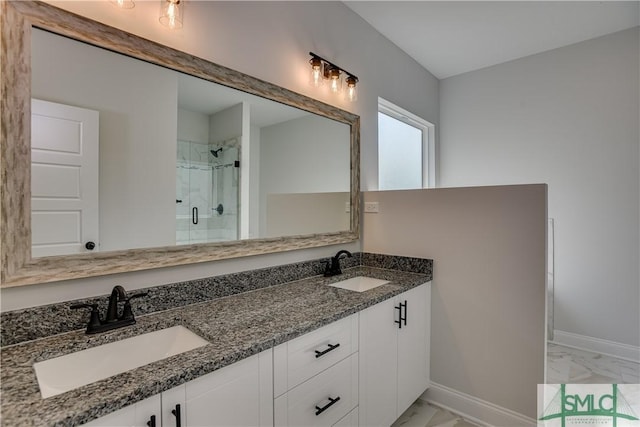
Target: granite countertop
[236, 327]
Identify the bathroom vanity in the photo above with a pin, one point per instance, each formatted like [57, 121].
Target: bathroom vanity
[298, 353]
[283, 346]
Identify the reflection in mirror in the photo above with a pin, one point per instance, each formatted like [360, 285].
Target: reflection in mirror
[127, 154]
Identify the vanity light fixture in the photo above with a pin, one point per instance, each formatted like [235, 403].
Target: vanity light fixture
[351, 92]
[316, 72]
[124, 4]
[334, 78]
[321, 70]
[171, 12]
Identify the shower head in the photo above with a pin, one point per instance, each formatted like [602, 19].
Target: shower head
[215, 152]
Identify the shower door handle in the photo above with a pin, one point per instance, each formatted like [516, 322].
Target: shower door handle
[194, 215]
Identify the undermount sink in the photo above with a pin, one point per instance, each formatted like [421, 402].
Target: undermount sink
[359, 284]
[68, 372]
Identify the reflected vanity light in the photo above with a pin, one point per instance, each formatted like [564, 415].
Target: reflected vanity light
[171, 13]
[321, 70]
[124, 4]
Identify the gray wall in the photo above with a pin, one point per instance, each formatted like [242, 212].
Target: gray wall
[568, 117]
[138, 125]
[488, 294]
[271, 41]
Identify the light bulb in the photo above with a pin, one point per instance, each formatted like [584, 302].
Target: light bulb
[351, 94]
[171, 14]
[124, 4]
[316, 72]
[336, 83]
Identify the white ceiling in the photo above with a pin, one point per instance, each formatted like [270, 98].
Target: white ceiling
[453, 37]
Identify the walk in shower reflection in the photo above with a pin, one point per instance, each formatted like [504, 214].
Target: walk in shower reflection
[207, 177]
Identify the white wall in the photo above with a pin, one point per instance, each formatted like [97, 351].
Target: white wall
[488, 289]
[315, 154]
[193, 126]
[568, 117]
[276, 49]
[312, 150]
[254, 184]
[137, 135]
[225, 124]
[306, 213]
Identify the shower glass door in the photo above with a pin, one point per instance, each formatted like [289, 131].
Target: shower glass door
[206, 193]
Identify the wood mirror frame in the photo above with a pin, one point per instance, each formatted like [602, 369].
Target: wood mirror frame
[17, 266]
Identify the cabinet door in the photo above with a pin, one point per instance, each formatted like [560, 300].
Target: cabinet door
[173, 407]
[237, 395]
[378, 364]
[136, 415]
[413, 341]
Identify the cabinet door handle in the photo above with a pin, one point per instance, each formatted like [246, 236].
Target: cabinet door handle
[152, 421]
[327, 406]
[323, 352]
[404, 319]
[399, 321]
[194, 215]
[176, 412]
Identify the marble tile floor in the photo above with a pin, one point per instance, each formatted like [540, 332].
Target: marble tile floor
[567, 365]
[422, 414]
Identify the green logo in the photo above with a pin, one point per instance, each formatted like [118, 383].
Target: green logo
[581, 407]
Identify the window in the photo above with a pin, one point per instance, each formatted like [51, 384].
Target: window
[406, 157]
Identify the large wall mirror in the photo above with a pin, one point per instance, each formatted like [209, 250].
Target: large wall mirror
[119, 154]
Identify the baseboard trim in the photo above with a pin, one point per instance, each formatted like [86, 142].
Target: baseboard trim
[597, 345]
[474, 409]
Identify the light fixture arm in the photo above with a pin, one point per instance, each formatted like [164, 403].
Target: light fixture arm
[333, 66]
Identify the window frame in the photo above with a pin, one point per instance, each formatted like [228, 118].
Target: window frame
[428, 140]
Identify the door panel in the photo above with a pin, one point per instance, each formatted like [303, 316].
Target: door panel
[64, 175]
[413, 359]
[228, 397]
[379, 364]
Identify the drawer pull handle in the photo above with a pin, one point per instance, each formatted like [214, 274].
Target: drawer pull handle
[152, 421]
[327, 406]
[331, 347]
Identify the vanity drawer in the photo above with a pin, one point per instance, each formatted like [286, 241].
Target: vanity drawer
[323, 400]
[349, 420]
[298, 360]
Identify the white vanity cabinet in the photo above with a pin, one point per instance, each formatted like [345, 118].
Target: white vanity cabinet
[240, 394]
[145, 413]
[316, 377]
[394, 355]
[365, 369]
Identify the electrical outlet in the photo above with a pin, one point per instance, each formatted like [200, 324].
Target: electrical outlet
[371, 207]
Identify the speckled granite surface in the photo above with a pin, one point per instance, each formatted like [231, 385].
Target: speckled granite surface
[236, 326]
[43, 321]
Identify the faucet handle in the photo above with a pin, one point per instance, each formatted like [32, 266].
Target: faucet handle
[327, 268]
[95, 314]
[127, 313]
